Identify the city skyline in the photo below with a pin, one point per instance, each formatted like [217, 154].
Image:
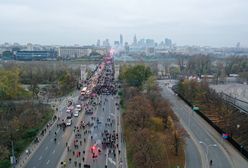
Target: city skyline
[215, 23]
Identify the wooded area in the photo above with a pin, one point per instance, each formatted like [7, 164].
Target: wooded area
[153, 134]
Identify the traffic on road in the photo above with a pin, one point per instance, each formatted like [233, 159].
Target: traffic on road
[87, 132]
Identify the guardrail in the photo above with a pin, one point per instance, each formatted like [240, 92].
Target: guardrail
[238, 146]
[235, 102]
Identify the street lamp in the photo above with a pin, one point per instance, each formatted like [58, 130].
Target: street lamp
[207, 149]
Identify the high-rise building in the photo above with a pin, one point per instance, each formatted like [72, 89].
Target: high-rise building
[150, 43]
[116, 43]
[135, 40]
[168, 42]
[106, 43]
[121, 40]
[98, 44]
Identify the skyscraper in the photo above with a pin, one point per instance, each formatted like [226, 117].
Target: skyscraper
[168, 42]
[134, 40]
[121, 40]
[98, 44]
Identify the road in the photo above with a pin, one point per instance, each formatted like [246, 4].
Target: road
[95, 136]
[48, 153]
[223, 155]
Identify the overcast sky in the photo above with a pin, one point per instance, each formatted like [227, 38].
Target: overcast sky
[67, 22]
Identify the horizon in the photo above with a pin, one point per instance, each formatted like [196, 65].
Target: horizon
[215, 23]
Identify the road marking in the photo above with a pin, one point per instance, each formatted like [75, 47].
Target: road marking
[58, 143]
[48, 162]
[57, 130]
[111, 161]
[46, 148]
[40, 157]
[53, 151]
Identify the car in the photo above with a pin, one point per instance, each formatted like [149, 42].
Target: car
[75, 114]
[78, 107]
[68, 122]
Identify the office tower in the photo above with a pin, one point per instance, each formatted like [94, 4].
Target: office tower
[135, 40]
[98, 44]
[121, 40]
[168, 42]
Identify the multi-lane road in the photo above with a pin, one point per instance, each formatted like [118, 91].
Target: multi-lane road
[94, 138]
[204, 144]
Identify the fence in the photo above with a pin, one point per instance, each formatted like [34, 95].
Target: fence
[235, 102]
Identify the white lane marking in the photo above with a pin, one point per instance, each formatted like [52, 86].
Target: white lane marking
[57, 130]
[58, 143]
[106, 163]
[34, 167]
[46, 148]
[53, 151]
[48, 162]
[40, 157]
[111, 161]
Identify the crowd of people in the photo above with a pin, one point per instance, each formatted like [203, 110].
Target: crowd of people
[77, 149]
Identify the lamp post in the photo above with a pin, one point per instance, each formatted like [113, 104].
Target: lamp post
[207, 149]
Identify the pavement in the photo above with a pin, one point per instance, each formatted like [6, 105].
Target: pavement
[223, 154]
[46, 153]
[104, 111]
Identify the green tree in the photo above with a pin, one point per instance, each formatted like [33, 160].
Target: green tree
[136, 75]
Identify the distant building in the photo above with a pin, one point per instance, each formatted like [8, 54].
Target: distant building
[168, 43]
[150, 51]
[30, 47]
[74, 52]
[98, 44]
[35, 55]
[121, 40]
[126, 47]
[135, 40]
[116, 43]
[106, 43]
[150, 43]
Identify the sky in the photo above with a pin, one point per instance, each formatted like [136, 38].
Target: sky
[214, 23]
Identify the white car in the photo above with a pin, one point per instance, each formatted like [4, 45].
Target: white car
[78, 107]
[68, 122]
[75, 114]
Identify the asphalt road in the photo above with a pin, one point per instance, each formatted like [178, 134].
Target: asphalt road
[104, 111]
[199, 133]
[49, 153]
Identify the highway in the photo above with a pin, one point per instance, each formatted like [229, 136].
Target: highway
[206, 140]
[95, 136]
[49, 152]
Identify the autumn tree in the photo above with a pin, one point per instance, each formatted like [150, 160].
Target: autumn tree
[139, 110]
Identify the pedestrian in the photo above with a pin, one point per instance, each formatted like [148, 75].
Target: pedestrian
[75, 163]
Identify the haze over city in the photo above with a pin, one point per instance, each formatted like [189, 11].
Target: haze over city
[193, 22]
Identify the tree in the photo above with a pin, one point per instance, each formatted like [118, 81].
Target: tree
[139, 110]
[136, 75]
